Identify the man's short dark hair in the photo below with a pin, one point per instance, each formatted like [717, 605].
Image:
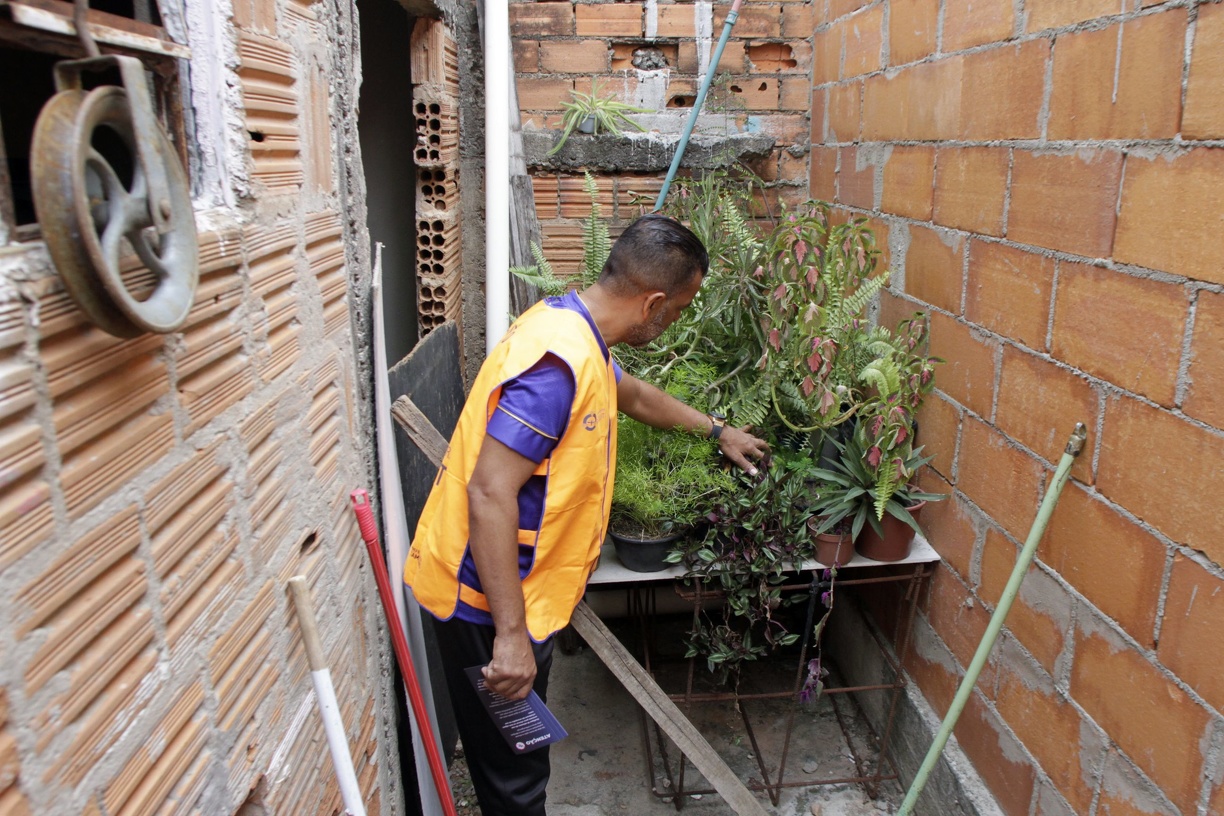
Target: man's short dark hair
[655, 252]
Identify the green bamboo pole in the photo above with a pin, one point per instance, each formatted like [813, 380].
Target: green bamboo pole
[1074, 445]
[728, 24]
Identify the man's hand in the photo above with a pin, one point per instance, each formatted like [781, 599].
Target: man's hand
[742, 448]
[513, 668]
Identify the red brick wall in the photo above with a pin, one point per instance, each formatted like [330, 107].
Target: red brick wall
[560, 45]
[1049, 176]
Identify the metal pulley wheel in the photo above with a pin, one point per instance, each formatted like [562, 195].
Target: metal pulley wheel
[105, 176]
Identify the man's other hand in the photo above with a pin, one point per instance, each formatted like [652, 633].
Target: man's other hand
[513, 668]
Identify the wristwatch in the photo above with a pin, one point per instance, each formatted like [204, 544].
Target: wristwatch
[717, 423]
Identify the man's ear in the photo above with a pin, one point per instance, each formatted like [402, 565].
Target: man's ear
[653, 300]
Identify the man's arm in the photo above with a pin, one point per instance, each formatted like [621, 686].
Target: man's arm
[493, 519]
[653, 406]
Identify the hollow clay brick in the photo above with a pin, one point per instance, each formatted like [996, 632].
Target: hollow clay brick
[1095, 315]
[1144, 711]
[1204, 115]
[1084, 533]
[1009, 292]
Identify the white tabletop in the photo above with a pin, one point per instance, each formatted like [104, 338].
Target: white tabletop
[612, 571]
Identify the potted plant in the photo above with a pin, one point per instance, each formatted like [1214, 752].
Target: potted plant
[665, 482]
[755, 535]
[594, 113]
[849, 493]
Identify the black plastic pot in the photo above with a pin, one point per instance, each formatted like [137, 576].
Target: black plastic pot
[643, 554]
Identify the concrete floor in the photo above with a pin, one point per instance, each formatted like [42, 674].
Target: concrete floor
[600, 769]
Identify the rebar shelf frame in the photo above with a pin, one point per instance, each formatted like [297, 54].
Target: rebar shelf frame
[642, 606]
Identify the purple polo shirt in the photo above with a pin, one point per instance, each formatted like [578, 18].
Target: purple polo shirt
[531, 416]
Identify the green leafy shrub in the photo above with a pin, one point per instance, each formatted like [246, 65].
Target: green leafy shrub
[666, 480]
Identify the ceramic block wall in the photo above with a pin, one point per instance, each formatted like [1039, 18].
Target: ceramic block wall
[1046, 177]
[156, 493]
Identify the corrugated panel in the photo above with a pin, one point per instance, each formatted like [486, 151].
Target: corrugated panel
[267, 72]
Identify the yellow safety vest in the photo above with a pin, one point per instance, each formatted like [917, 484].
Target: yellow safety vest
[579, 475]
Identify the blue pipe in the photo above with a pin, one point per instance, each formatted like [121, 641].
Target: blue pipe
[732, 16]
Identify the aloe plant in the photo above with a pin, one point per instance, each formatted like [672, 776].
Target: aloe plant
[608, 112]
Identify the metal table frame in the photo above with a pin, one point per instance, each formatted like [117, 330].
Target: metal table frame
[641, 588]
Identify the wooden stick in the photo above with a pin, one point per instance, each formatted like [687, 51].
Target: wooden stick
[329, 708]
[663, 711]
[420, 430]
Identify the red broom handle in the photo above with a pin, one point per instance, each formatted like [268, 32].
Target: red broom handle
[369, 533]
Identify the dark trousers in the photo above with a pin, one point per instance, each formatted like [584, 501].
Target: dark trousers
[507, 784]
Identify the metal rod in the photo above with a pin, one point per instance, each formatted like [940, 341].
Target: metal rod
[80, 13]
[1074, 445]
[728, 24]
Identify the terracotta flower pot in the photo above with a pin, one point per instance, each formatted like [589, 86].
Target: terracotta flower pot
[832, 549]
[895, 543]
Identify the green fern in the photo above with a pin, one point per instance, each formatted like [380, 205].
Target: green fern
[886, 485]
[855, 304]
[545, 268]
[596, 243]
[883, 375]
[549, 285]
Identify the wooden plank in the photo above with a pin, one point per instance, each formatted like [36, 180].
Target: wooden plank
[420, 430]
[663, 711]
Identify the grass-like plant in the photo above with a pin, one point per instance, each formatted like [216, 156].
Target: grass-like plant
[666, 480]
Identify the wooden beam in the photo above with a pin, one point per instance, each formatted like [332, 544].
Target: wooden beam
[420, 430]
[663, 711]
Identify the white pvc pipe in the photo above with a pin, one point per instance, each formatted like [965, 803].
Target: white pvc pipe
[325, 693]
[337, 742]
[497, 170]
